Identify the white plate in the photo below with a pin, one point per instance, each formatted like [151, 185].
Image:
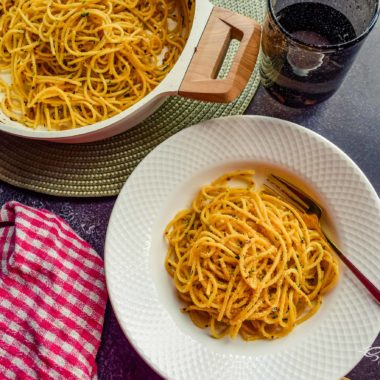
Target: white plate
[325, 347]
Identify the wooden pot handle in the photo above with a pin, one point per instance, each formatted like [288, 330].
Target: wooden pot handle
[200, 79]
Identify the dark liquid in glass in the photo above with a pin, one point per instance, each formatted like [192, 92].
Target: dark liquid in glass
[299, 76]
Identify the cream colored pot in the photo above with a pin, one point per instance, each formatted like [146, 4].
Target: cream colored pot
[193, 75]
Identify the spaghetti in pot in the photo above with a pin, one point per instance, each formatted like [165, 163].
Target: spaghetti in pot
[76, 62]
[244, 261]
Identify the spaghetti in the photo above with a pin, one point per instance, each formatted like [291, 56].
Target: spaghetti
[244, 262]
[73, 63]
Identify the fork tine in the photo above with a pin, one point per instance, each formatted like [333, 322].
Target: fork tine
[288, 189]
[282, 194]
[309, 204]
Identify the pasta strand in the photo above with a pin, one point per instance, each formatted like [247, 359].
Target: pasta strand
[64, 55]
[245, 263]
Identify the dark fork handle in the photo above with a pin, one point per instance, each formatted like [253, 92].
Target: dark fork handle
[359, 275]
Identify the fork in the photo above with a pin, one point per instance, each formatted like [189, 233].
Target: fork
[312, 215]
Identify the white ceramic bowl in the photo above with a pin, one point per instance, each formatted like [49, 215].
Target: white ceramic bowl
[326, 346]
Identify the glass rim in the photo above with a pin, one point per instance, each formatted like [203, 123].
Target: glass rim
[352, 42]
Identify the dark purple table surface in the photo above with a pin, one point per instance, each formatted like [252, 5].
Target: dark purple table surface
[350, 119]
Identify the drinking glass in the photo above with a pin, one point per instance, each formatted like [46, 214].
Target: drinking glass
[309, 46]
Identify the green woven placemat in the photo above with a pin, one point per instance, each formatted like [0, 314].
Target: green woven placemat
[101, 168]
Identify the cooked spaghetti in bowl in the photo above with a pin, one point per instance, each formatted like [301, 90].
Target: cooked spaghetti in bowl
[244, 261]
[74, 63]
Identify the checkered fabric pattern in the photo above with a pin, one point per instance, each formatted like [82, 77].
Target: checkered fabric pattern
[52, 297]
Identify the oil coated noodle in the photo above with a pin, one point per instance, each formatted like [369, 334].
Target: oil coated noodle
[76, 62]
[244, 262]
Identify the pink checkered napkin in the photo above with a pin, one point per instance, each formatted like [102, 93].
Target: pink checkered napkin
[52, 297]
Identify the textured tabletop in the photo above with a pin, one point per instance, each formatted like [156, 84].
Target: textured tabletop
[350, 119]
